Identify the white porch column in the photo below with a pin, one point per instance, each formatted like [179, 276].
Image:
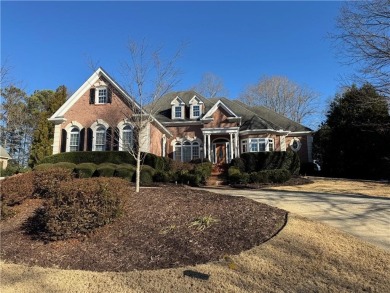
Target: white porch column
[283, 143]
[209, 147]
[56, 140]
[236, 145]
[231, 146]
[204, 146]
[164, 145]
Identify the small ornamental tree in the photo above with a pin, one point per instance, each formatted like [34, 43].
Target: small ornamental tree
[354, 140]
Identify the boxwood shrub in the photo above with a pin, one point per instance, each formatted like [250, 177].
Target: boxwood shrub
[85, 170]
[65, 165]
[105, 170]
[125, 171]
[146, 175]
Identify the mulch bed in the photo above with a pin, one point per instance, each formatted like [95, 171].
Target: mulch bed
[154, 232]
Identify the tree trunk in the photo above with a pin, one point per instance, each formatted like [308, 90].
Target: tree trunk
[138, 171]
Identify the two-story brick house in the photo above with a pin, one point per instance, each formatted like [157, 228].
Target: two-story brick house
[186, 125]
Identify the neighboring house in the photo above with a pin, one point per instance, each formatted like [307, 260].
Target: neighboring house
[186, 125]
[4, 157]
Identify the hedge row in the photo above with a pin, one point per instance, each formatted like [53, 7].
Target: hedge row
[235, 176]
[114, 157]
[254, 162]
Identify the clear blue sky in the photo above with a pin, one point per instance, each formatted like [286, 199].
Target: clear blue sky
[48, 43]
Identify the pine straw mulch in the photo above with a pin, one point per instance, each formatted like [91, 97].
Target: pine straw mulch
[154, 232]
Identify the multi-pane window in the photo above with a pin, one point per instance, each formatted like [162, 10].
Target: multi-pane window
[195, 150]
[178, 112]
[187, 151]
[178, 151]
[195, 111]
[127, 137]
[74, 140]
[102, 96]
[258, 145]
[100, 142]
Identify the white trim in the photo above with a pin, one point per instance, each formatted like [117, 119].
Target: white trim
[198, 101]
[219, 130]
[178, 100]
[271, 131]
[122, 124]
[94, 127]
[215, 107]
[300, 133]
[97, 89]
[68, 128]
[186, 122]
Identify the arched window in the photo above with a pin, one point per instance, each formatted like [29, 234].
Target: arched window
[127, 137]
[195, 150]
[186, 151]
[178, 151]
[74, 139]
[100, 139]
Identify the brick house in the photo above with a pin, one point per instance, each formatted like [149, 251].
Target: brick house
[186, 125]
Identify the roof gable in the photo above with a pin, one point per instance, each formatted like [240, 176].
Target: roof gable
[217, 105]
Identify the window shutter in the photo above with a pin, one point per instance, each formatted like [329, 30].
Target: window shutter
[82, 139]
[63, 141]
[116, 139]
[92, 96]
[109, 95]
[89, 139]
[109, 137]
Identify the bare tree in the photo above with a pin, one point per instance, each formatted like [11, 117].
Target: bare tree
[148, 78]
[363, 37]
[283, 96]
[211, 86]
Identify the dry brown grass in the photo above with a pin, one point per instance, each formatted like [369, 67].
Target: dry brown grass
[305, 257]
[341, 186]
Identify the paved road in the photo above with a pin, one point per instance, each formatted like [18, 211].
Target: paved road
[367, 218]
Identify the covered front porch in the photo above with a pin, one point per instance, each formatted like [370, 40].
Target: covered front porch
[221, 145]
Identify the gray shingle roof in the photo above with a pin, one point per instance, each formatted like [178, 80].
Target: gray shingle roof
[252, 118]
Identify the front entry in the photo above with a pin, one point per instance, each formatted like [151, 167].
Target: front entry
[220, 153]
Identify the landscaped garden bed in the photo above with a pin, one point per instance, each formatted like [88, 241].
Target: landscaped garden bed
[160, 227]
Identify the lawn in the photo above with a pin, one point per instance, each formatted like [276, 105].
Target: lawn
[341, 186]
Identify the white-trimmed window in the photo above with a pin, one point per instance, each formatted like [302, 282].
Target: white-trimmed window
[195, 111]
[74, 139]
[101, 95]
[127, 137]
[178, 111]
[186, 151]
[257, 145]
[100, 138]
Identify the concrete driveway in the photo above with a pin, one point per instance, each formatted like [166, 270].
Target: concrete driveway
[367, 218]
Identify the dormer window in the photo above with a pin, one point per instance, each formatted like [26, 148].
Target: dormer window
[195, 107]
[177, 108]
[178, 112]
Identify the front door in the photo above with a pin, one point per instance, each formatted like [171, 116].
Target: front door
[220, 153]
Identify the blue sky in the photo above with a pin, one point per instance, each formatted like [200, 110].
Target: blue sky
[48, 43]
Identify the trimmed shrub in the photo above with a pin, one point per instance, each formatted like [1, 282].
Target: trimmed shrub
[125, 171]
[234, 175]
[47, 180]
[162, 176]
[239, 163]
[146, 176]
[279, 175]
[14, 190]
[85, 170]
[105, 170]
[5, 211]
[78, 207]
[199, 161]
[203, 170]
[96, 157]
[65, 165]
[253, 162]
[259, 177]
[44, 166]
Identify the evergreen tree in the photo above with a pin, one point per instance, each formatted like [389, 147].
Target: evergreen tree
[43, 104]
[354, 140]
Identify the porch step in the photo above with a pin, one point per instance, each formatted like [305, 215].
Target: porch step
[215, 180]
